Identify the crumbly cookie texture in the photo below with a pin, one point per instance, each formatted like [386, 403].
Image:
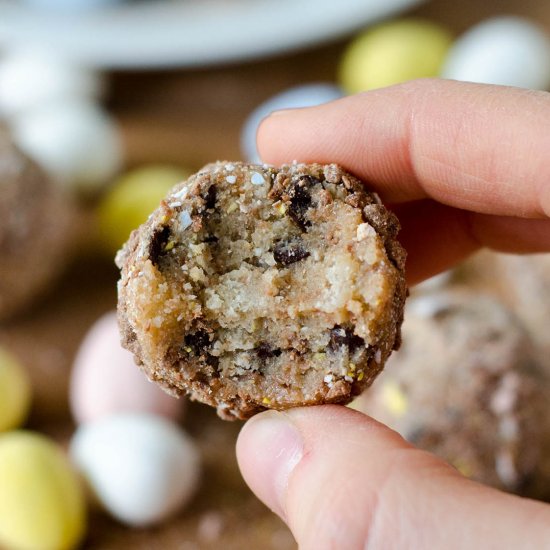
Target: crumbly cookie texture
[465, 386]
[36, 227]
[253, 287]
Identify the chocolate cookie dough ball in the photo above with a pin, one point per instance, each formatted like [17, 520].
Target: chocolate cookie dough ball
[35, 220]
[464, 386]
[527, 280]
[253, 287]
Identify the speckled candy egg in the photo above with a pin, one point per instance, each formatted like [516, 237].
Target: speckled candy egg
[131, 198]
[307, 95]
[465, 386]
[76, 141]
[394, 52]
[504, 50]
[41, 502]
[105, 379]
[30, 78]
[15, 392]
[141, 468]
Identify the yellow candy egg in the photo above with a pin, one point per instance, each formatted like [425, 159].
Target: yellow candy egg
[15, 392]
[131, 199]
[394, 52]
[41, 502]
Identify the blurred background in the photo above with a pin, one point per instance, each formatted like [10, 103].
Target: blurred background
[104, 105]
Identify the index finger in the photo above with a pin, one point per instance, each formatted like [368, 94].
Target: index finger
[475, 147]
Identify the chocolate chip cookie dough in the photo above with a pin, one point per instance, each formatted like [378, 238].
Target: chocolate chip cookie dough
[465, 386]
[35, 222]
[253, 287]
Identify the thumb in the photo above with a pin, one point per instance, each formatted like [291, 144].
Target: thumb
[342, 480]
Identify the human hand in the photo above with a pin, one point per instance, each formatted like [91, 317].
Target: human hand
[464, 166]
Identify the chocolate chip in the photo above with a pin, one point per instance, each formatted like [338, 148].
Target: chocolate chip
[300, 200]
[157, 244]
[289, 252]
[198, 341]
[210, 239]
[210, 197]
[265, 351]
[340, 336]
[214, 362]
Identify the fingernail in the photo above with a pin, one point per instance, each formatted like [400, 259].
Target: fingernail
[280, 112]
[277, 447]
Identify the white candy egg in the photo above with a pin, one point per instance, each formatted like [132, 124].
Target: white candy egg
[76, 141]
[307, 95]
[30, 78]
[105, 379]
[505, 50]
[141, 468]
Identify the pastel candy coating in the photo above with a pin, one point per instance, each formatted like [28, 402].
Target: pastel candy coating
[15, 392]
[41, 502]
[72, 5]
[131, 198]
[307, 95]
[141, 468]
[392, 53]
[105, 379]
[510, 51]
[76, 141]
[31, 78]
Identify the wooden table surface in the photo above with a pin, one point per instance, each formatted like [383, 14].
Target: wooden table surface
[189, 118]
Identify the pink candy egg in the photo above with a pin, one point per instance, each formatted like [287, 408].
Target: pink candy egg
[106, 381]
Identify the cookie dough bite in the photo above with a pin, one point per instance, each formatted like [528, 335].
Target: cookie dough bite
[253, 287]
[527, 280]
[465, 387]
[35, 229]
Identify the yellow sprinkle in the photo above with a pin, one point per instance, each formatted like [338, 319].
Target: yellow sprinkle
[164, 219]
[169, 246]
[463, 467]
[280, 207]
[232, 207]
[361, 376]
[352, 366]
[351, 374]
[394, 399]
[266, 401]
[188, 349]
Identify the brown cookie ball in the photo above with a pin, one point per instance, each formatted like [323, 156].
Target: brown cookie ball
[35, 228]
[465, 386]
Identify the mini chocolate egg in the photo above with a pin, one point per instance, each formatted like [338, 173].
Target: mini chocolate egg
[131, 198]
[31, 78]
[503, 50]
[75, 140]
[142, 468]
[15, 392]
[307, 95]
[105, 379]
[394, 52]
[41, 501]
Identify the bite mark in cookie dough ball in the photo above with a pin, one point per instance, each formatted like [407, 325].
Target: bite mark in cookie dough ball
[255, 287]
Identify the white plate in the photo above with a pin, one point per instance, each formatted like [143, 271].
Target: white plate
[165, 33]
